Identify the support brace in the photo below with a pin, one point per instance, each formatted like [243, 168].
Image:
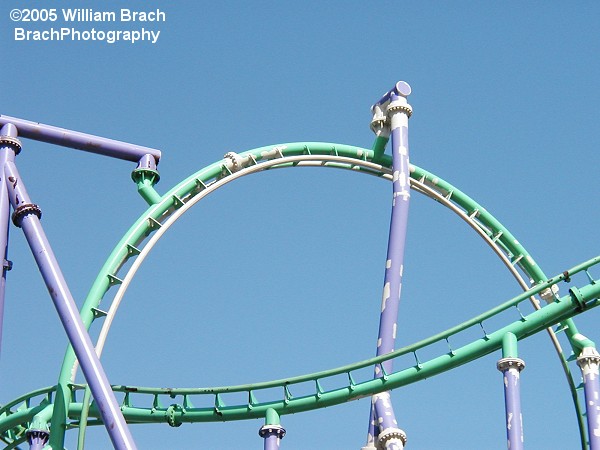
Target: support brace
[146, 176]
[383, 427]
[589, 362]
[37, 439]
[9, 147]
[511, 366]
[272, 432]
[28, 219]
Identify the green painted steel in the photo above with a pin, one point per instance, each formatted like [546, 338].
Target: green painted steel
[64, 407]
[509, 346]
[379, 148]
[578, 300]
[271, 417]
[145, 179]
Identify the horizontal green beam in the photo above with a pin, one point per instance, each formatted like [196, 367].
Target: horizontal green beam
[578, 300]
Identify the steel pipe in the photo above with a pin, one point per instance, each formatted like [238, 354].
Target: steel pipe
[79, 141]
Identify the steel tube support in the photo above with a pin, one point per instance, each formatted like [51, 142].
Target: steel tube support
[9, 147]
[27, 216]
[272, 432]
[511, 366]
[589, 362]
[389, 437]
[401, 88]
[146, 176]
[383, 425]
[37, 439]
[80, 141]
[394, 266]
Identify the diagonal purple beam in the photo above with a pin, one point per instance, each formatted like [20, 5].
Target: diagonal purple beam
[9, 147]
[27, 216]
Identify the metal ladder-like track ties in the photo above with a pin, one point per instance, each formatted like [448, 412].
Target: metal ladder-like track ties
[142, 236]
[322, 397]
[423, 176]
[506, 246]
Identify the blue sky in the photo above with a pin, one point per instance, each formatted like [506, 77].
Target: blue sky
[281, 273]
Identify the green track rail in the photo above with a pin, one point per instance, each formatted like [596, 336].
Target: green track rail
[65, 405]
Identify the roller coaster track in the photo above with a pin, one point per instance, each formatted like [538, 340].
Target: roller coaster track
[67, 403]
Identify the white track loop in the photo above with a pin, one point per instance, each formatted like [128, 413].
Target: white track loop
[301, 160]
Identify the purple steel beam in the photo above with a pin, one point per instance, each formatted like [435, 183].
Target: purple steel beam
[9, 147]
[80, 141]
[27, 216]
[589, 362]
[401, 88]
[272, 434]
[397, 239]
[383, 425]
[389, 437]
[373, 430]
[37, 439]
[511, 369]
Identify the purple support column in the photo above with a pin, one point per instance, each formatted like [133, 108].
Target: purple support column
[272, 432]
[511, 368]
[372, 434]
[589, 362]
[383, 424]
[390, 437]
[37, 439]
[27, 216]
[9, 147]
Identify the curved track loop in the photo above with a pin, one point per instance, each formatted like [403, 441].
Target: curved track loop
[148, 229]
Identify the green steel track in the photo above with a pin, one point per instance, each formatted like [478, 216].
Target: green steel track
[66, 405]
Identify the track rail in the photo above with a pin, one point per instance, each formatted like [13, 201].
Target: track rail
[116, 275]
[182, 409]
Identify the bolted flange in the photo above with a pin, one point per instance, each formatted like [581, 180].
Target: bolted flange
[172, 418]
[389, 434]
[25, 210]
[508, 363]
[271, 429]
[11, 141]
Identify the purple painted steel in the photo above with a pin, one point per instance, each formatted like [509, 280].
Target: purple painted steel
[147, 162]
[395, 254]
[8, 148]
[400, 88]
[511, 369]
[389, 437]
[592, 401]
[271, 442]
[10, 130]
[372, 430]
[27, 217]
[80, 141]
[37, 439]
[383, 421]
[589, 362]
[272, 434]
